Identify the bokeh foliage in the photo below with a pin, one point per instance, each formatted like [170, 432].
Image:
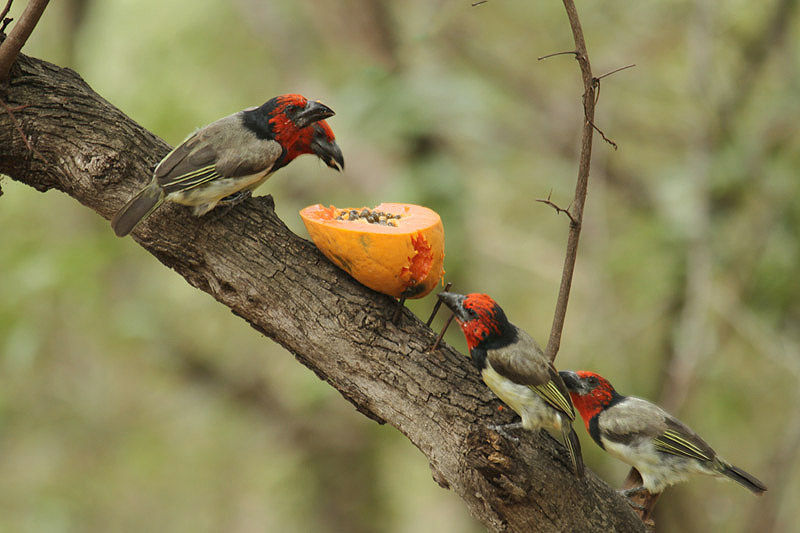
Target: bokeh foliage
[129, 401]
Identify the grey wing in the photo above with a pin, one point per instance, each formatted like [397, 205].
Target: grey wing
[240, 152]
[188, 165]
[632, 419]
[525, 363]
[223, 149]
[679, 439]
[522, 362]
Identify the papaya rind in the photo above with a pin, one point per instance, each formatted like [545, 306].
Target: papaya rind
[383, 257]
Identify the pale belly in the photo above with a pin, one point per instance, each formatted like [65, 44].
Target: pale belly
[658, 470]
[206, 196]
[533, 410]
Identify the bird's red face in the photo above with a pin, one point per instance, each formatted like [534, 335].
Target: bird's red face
[288, 115]
[299, 126]
[318, 139]
[478, 315]
[590, 392]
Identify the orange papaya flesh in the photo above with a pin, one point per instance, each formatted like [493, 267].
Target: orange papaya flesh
[394, 248]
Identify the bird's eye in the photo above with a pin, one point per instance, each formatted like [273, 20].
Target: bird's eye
[592, 381]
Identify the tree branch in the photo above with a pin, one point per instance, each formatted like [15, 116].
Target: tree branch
[5, 11]
[576, 211]
[284, 288]
[9, 49]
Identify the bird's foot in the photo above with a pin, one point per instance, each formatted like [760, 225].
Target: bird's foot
[399, 309]
[503, 429]
[229, 202]
[628, 493]
[235, 198]
[632, 491]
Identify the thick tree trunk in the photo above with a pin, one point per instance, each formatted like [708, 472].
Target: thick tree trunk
[279, 283]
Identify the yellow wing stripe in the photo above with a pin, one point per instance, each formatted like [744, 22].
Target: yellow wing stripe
[192, 179]
[192, 174]
[199, 182]
[673, 442]
[550, 393]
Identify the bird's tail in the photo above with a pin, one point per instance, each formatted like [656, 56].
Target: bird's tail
[573, 446]
[137, 209]
[743, 478]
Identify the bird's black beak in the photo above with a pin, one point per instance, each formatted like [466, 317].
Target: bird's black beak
[455, 302]
[328, 151]
[573, 382]
[311, 113]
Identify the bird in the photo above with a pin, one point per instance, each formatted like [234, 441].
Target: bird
[514, 367]
[223, 162]
[663, 449]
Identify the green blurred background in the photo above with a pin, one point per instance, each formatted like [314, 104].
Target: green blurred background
[131, 402]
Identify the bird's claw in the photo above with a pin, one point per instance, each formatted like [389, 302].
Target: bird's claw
[235, 198]
[228, 203]
[627, 493]
[502, 429]
[399, 309]
[632, 491]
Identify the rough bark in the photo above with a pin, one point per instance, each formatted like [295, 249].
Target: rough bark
[283, 287]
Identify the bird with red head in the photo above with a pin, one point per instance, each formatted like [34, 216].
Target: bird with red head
[318, 139]
[514, 367]
[663, 449]
[226, 160]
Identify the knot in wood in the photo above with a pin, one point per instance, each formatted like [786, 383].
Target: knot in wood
[490, 454]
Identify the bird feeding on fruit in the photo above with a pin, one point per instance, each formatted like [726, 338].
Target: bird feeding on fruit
[223, 162]
[514, 367]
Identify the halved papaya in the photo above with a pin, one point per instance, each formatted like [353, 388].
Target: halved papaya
[396, 249]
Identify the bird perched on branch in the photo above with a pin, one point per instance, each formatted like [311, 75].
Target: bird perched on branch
[662, 448]
[223, 162]
[514, 367]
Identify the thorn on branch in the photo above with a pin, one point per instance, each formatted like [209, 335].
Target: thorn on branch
[596, 81]
[569, 52]
[603, 135]
[596, 87]
[558, 209]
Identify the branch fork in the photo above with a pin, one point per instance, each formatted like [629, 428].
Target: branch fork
[558, 209]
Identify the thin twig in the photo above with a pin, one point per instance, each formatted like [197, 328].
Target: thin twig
[558, 209]
[576, 211]
[596, 84]
[607, 74]
[568, 52]
[9, 49]
[437, 305]
[479, 2]
[603, 135]
[441, 334]
[6, 9]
